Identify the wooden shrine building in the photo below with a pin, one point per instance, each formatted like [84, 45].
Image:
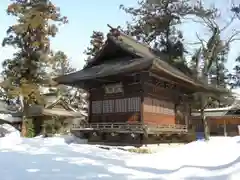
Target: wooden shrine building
[221, 121]
[133, 94]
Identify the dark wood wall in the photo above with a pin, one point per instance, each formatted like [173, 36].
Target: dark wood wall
[116, 107]
[144, 98]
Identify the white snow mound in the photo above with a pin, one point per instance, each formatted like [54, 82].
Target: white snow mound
[54, 159]
[68, 139]
[11, 136]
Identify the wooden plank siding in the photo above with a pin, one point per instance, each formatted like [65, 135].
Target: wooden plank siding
[163, 103]
[123, 117]
[158, 103]
[158, 111]
[147, 100]
[120, 107]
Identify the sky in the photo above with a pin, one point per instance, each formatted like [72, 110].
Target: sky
[87, 16]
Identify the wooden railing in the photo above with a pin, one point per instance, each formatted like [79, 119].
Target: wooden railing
[167, 127]
[132, 127]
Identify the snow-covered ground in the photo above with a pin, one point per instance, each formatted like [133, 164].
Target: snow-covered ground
[59, 158]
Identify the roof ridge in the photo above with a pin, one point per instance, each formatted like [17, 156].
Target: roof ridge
[142, 43]
[128, 36]
[118, 34]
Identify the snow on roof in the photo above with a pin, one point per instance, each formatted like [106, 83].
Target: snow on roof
[236, 92]
[234, 105]
[9, 118]
[218, 109]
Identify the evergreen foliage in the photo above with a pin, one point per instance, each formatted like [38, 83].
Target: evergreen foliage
[96, 43]
[26, 71]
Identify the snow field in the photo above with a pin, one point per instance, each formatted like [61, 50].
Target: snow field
[60, 158]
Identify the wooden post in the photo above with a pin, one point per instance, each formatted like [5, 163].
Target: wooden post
[90, 107]
[203, 117]
[175, 112]
[186, 111]
[143, 78]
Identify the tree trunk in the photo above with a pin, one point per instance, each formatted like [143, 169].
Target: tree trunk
[203, 117]
[24, 127]
[218, 79]
[44, 132]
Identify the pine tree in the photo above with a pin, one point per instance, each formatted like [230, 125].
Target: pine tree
[96, 43]
[218, 71]
[25, 72]
[236, 9]
[234, 78]
[156, 23]
[61, 66]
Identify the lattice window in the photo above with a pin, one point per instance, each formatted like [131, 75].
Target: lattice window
[108, 106]
[118, 105]
[134, 104]
[130, 106]
[121, 105]
[96, 107]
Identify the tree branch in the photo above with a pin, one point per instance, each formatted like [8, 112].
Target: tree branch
[202, 41]
[228, 24]
[233, 38]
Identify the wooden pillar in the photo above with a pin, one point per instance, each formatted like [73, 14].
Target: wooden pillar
[90, 107]
[143, 78]
[177, 98]
[175, 112]
[186, 110]
[186, 114]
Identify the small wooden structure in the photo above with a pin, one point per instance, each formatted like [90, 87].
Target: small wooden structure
[135, 95]
[221, 121]
[55, 106]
